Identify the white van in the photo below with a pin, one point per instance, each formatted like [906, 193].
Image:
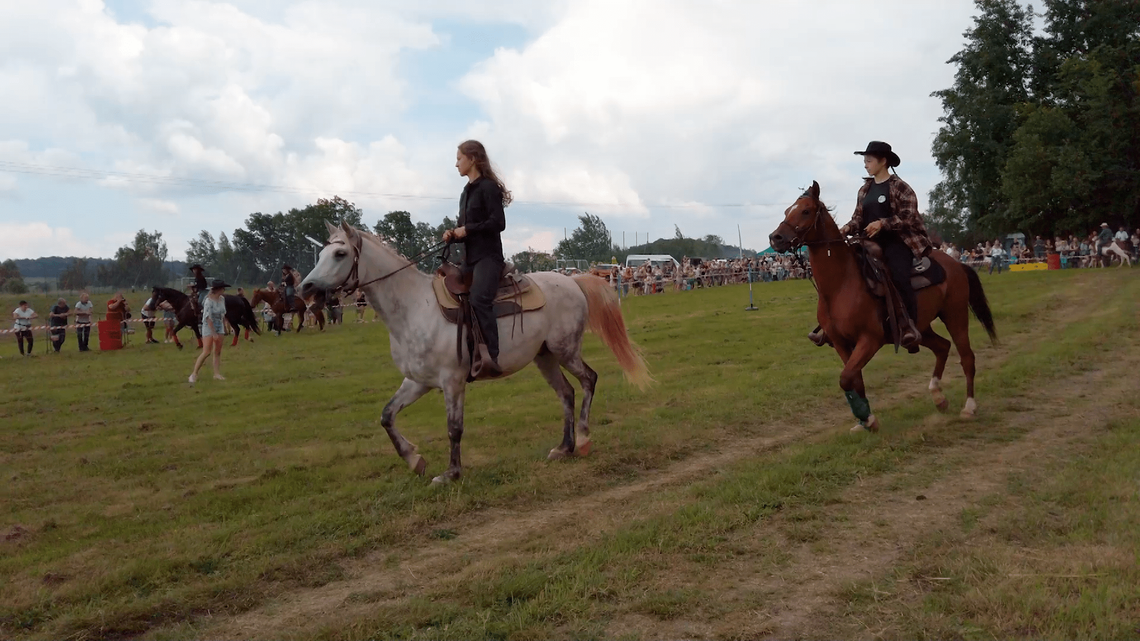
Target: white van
[636, 260]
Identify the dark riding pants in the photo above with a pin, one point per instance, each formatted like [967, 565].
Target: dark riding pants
[484, 284]
[899, 261]
[289, 293]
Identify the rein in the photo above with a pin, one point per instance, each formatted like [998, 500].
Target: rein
[355, 273]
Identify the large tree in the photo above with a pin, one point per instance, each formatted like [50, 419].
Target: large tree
[981, 114]
[11, 281]
[140, 264]
[590, 241]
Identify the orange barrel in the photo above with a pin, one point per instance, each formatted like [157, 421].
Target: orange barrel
[110, 334]
[1054, 261]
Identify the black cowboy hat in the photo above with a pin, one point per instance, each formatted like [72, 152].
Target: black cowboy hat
[218, 282]
[882, 150]
[287, 267]
[197, 266]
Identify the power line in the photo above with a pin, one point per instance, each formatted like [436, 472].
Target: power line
[224, 185]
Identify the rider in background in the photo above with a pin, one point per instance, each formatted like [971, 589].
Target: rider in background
[480, 225]
[886, 210]
[200, 285]
[1103, 239]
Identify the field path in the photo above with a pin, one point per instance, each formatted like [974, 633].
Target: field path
[881, 521]
[495, 536]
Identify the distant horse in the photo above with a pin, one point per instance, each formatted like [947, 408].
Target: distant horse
[1121, 249]
[276, 300]
[239, 313]
[853, 317]
[423, 342]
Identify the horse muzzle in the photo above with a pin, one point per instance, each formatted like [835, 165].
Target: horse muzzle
[779, 240]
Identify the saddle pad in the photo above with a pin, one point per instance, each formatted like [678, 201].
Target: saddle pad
[505, 303]
[926, 273]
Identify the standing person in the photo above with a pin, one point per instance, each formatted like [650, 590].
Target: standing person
[57, 320]
[290, 285]
[213, 316]
[1121, 234]
[361, 305]
[997, 254]
[480, 225]
[148, 315]
[168, 318]
[24, 316]
[1039, 249]
[886, 210]
[200, 285]
[83, 321]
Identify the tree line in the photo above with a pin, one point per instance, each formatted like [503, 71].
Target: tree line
[1041, 131]
[256, 252]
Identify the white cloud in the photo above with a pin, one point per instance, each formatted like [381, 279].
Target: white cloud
[651, 112]
[33, 239]
[157, 205]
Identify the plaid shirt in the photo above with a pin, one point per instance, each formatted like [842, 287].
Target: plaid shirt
[904, 221]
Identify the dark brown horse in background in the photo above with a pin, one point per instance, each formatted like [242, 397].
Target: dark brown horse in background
[853, 317]
[276, 300]
[239, 313]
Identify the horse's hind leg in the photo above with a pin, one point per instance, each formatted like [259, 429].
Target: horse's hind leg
[409, 392]
[453, 399]
[547, 363]
[958, 323]
[941, 348]
[588, 378]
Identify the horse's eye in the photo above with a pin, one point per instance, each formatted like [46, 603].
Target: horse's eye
[804, 212]
[340, 253]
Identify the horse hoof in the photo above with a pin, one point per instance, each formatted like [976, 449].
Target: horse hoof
[557, 454]
[582, 449]
[420, 466]
[179, 345]
[942, 405]
[442, 479]
[967, 414]
[870, 425]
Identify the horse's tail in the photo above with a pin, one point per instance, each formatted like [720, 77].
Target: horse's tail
[605, 319]
[979, 304]
[250, 318]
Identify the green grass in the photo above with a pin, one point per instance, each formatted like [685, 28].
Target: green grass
[145, 504]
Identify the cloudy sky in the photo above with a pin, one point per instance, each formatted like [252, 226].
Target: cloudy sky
[183, 115]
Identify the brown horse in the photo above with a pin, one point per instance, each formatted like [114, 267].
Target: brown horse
[276, 300]
[853, 317]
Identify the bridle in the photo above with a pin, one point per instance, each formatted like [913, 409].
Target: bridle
[801, 232]
[354, 273]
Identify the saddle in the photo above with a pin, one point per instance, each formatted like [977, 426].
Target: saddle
[516, 294]
[924, 272]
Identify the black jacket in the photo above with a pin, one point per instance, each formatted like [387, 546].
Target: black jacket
[481, 213]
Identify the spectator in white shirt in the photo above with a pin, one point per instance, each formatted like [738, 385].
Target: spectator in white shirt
[83, 321]
[24, 315]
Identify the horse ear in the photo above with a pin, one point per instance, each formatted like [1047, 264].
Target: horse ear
[331, 227]
[349, 231]
[814, 191]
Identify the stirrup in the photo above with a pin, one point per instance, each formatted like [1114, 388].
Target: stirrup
[819, 337]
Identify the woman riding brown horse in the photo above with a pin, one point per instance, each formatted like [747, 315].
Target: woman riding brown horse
[276, 300]
[853, 318]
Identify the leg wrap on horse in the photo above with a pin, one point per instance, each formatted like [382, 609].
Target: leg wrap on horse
[859, 405]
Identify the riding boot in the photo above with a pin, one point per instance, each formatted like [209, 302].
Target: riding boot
[819, 336]
[910, 337]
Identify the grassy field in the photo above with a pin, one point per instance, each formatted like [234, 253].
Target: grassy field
[728, 501]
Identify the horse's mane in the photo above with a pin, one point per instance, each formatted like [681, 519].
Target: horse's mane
[170, 292]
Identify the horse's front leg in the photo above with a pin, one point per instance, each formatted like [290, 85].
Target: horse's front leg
[851, 382]
[409, 392]
[453, 398]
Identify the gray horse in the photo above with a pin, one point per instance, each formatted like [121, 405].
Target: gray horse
[423, 342]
